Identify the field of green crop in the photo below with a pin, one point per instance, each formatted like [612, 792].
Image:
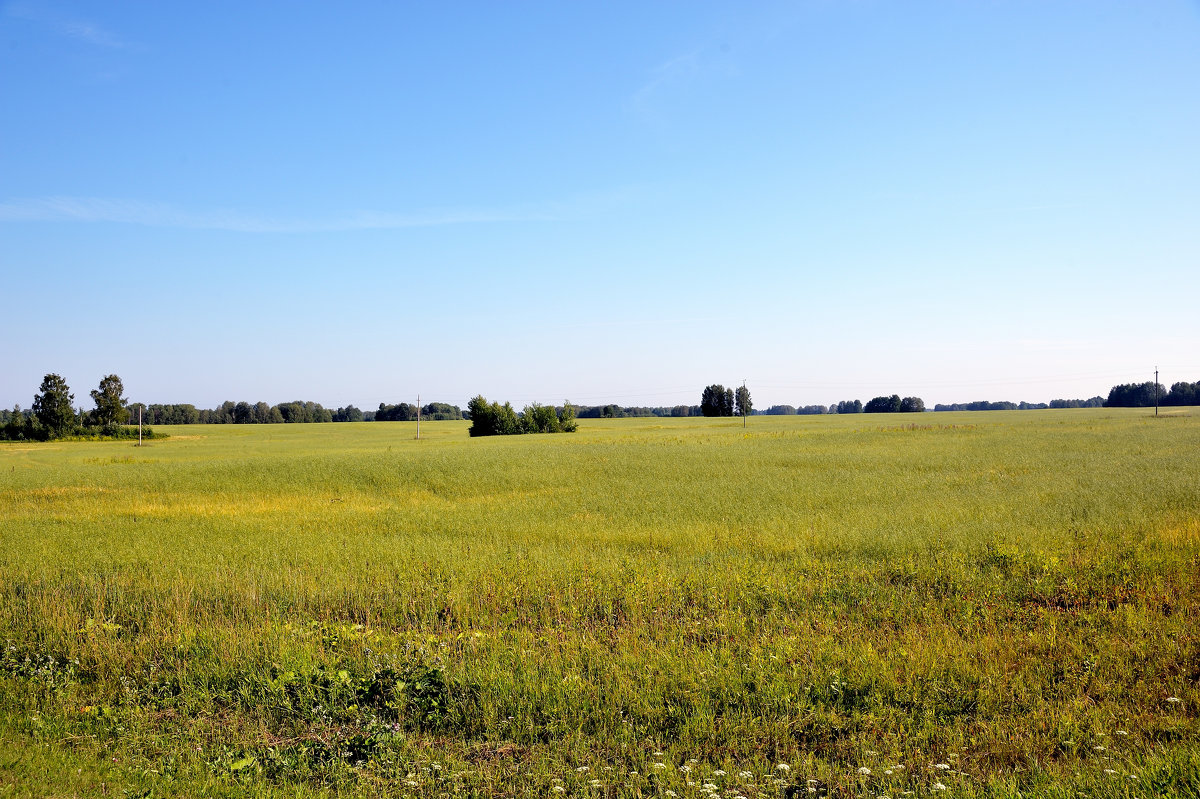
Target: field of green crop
[951, 604]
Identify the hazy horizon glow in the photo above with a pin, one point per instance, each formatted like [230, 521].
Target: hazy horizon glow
[611, 203]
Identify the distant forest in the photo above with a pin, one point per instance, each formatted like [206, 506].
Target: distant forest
[1128, 395]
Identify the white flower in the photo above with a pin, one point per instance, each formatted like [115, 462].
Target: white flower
[660, 765]
[658, 754]
[1122, 732]
[582, 769]
[866, 772]
[633, 774]
[718, 773]
[784, 767]
[942, 766]
[937, 786]
[1109, 771]
[1173, 699]
[595, 783]
[672, 794]
[887, 771]
[1098, 748]
[559, 789]
[685, 769]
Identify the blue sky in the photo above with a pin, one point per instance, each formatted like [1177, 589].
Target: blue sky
[609, 202]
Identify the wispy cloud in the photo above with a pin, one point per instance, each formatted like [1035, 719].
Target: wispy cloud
[672, 73]
[72, 27]
[133, 212]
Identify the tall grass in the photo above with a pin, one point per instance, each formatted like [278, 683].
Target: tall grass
[1000, 603]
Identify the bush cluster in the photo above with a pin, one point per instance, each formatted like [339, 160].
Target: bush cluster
[494, 419]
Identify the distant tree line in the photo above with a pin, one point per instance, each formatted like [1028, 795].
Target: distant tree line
[435, 411]
[297, 412]
[494, 419]
[619, 412]
[984, 405]
[230, 412]
[1142, 395]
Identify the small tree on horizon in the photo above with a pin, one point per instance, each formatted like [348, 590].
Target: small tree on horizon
[110, 405]
[52, 406]
[742, 404]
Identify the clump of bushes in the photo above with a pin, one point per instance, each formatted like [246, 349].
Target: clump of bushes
[494, 419]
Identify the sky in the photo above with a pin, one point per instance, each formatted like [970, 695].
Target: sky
[357, 203]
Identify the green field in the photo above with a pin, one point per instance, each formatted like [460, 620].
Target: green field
[997, 603]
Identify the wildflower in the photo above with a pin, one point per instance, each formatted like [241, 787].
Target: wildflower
[1173, 699]
[866, 772]
[685, 769]
[582, 769]
[943, 766]
[658, 754]
[660, 765]
[746, 775]
[887, 771]
[718, 773]
[633, 774]
[559, 789]
[937, 786]
[1122, 732]
[595, 783]
[1098, 748]
[784, 767]
[1109, 771]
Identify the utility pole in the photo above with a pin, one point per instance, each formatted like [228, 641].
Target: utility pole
[418, 417]
[1156, 391]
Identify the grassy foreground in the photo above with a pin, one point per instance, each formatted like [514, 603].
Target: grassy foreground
[971, 604]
